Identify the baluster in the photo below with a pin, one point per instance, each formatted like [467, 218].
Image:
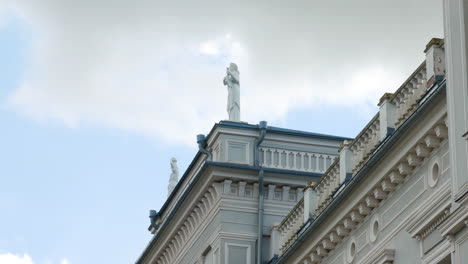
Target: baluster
[262, 160]
[279, 153]
[264, 156]
[272, 155]
[294, 160]
[317, 168]
[322, 160]
[302, 167]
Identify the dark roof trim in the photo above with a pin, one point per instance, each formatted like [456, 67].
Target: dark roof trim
[179, 183]
[362, 173]
[278, 130]
[272, 170]
[177, 205]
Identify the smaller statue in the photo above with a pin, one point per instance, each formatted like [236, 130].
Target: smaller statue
[232, 82]
[174, 177]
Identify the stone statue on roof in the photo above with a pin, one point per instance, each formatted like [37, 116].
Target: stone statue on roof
[174, 178]
[232, 82]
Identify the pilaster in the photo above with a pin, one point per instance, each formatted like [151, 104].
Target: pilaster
[455, 21]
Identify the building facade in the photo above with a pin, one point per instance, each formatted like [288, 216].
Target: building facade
[396, 193]
[213, 213]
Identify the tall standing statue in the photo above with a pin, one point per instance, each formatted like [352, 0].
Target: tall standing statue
[232, 82]
[174, 178]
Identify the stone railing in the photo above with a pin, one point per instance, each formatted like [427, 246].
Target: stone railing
[327, 185]
[295, 160]
[290, 225]
[365, 143]
[406, 98]
[405, 101]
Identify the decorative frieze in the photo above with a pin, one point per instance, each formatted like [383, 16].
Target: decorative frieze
[371, 202]
[334, 237]
[363, 209]
[387, 186]
[395, 177]
[379, 194]
[327, 244]
[422, 150]
[356, 217]
[341, 231]
[432, 141]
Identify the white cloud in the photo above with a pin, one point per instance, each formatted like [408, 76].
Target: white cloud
[65, 261]
[156, 67]
[8, 258]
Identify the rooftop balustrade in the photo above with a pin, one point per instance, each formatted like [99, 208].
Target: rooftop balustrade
[365, 143]
[290, 225]
[407, 97]
[327, 185]
[395, 109]
[295, 160]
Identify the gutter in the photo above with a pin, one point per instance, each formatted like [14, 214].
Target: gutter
[388, 142]
[201, 140]
[276, 130]
[261, 193]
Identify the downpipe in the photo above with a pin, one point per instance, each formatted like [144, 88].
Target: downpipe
[201, 140]
[261, 193]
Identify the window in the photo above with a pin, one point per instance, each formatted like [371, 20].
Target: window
[446, 260]
[292, 196]
[277, 195]
[233, 189]
[374, 228]
[434, 174]
[248, 191]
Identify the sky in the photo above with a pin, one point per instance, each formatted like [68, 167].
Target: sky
[97, 96]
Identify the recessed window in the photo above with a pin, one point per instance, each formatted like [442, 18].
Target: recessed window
[292, 196]
[233, 189]
[277, 195]
[248, 191]
[434, 174]
[352, 250]
[374, 228]
[446, 260]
